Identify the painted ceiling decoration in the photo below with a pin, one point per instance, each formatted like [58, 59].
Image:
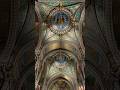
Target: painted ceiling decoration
[59, 55]
[60, 51]
[60, 20]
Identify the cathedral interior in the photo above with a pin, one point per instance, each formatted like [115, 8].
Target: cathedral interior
[59, 45]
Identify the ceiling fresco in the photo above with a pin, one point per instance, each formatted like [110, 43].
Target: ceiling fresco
[60, 52]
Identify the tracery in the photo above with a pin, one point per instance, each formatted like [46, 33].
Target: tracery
[60, 51]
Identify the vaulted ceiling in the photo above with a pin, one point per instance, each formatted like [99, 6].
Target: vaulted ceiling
[4, 34]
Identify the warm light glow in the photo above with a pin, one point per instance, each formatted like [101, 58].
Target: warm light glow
[81, 88]
[59, 48]
[37, 87]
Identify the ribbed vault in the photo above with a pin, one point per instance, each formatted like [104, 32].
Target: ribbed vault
[60, 50]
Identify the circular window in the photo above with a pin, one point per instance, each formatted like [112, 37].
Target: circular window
[59, 20]
[61, 62]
